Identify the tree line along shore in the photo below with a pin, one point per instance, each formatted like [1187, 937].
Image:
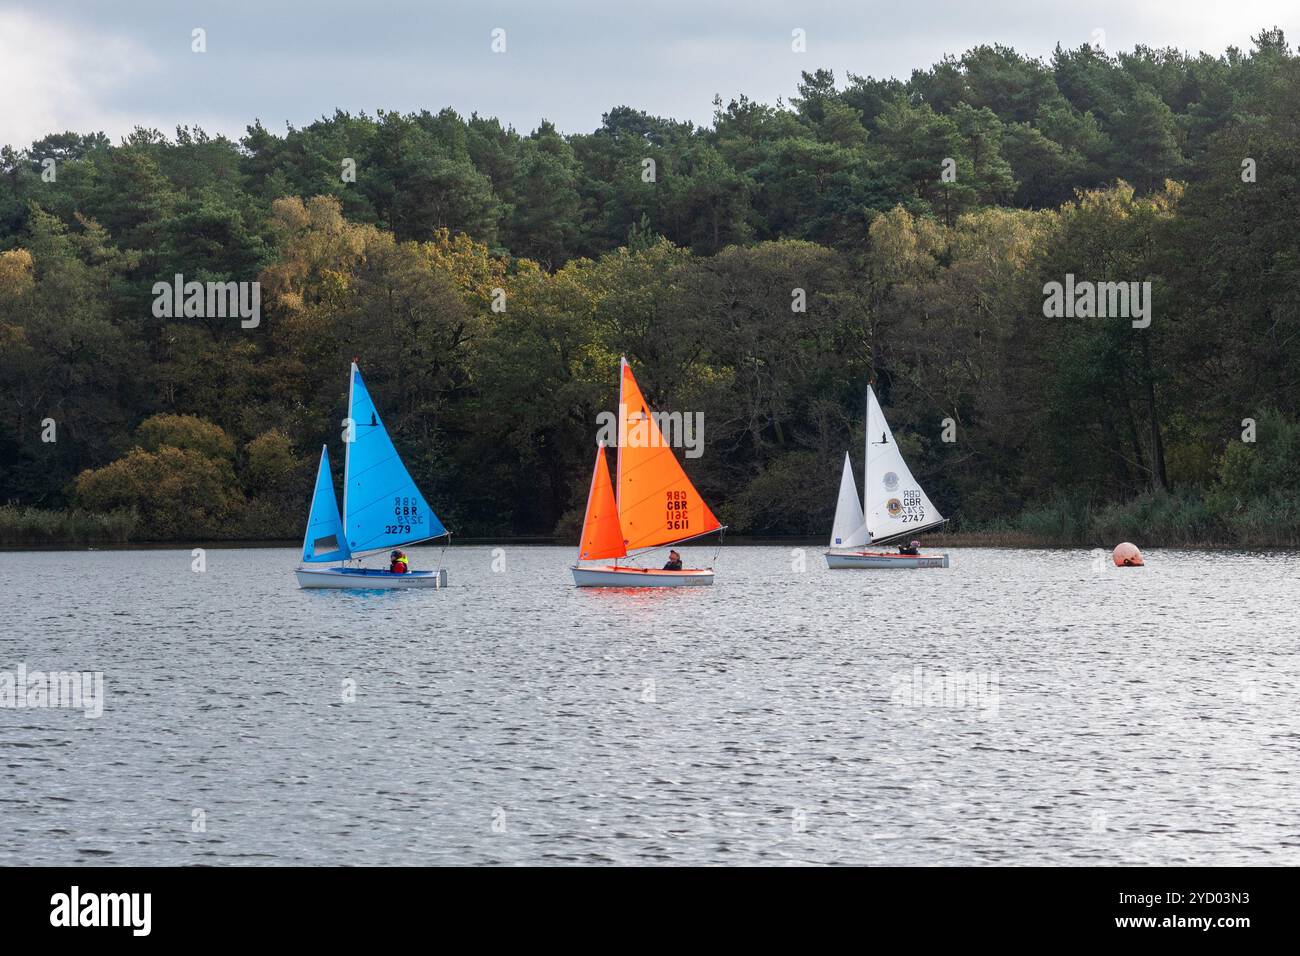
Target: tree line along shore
[757, 271]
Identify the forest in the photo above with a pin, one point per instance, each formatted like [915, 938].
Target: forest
[759, 270]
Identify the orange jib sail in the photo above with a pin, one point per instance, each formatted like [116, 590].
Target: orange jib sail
[601, 535]
[657, 504]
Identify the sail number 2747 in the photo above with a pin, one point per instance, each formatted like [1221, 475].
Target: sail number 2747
[678, 516]
[913, 507]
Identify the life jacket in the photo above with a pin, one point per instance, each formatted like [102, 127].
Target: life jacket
[399, 566]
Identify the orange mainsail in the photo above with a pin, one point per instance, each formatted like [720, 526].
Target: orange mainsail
[657, 504]
[601, 535]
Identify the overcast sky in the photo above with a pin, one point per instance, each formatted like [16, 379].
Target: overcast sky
[109, 65]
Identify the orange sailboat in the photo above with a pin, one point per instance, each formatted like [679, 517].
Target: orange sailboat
[654, 505]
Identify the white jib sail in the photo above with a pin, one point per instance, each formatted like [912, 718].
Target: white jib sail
[892, 501]
[849, 529]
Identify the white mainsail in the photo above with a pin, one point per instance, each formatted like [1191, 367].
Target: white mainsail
[850, 528]
[894, 504]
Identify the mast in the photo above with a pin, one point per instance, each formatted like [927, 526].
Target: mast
[618, 435]
[618, 443]
[866, 450]
[347, 444]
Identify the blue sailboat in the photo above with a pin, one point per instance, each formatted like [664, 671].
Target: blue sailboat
[383, 510]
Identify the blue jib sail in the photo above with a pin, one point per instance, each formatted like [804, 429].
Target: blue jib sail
[382, 507]
[324, 538]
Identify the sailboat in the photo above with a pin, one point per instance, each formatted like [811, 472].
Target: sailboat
[654, 505]
[894, 506]
[382, 508]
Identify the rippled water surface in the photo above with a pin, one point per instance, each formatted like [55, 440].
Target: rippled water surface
[1103, 716]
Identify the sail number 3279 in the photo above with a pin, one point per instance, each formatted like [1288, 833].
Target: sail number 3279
[407, 514]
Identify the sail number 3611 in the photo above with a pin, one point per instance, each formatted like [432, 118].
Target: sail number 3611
[678, 518]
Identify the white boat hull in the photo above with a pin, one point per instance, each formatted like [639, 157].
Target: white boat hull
[369, 579]
[612, 577]
[845, 560]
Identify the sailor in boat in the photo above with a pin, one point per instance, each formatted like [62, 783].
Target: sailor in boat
[399, 563]
[913, 548]
[674, 562]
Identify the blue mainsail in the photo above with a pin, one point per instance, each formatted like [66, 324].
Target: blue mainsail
[382, 507]
[324, 538]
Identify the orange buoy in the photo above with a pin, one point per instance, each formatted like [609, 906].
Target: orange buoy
[1127, 555]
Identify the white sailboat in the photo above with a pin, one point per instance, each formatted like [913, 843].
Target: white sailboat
[894, 506]
[655, 504]
[383, 509]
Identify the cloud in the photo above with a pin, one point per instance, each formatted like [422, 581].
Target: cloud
[111, 67]
[56, 77]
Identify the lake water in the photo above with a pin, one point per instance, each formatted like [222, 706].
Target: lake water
[1094, 715]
